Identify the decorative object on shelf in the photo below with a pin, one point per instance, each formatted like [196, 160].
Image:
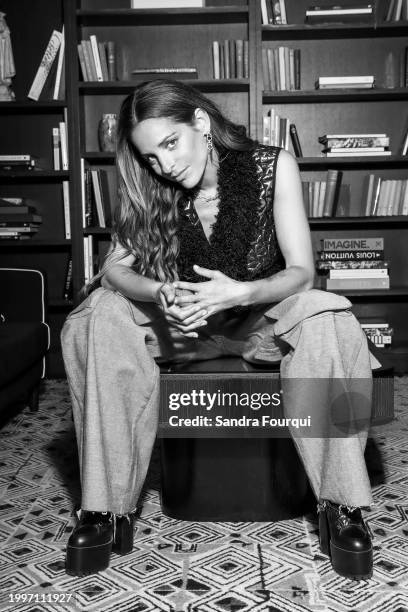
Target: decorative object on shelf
[7, 68]
[107, 132]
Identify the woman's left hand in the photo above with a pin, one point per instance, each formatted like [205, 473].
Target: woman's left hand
[218, 293]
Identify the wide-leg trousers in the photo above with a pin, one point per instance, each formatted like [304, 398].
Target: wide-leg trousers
[112, 346]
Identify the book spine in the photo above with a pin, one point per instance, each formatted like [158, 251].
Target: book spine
[264, 12]
[282, 73]
[112, 64]
[265, 71]
[291, 69]
[98, 198]
[97, 59]
[357, 283]
[359, 273]
[104, 61]
[233, 59]
[89, 221]
[283, 12]
[45, 65]
[295, 140]
[87, 275]
[60, 64]
[216, 59]
[67, 294]
[227, 67]
[276, 69]
[246, 59]
[222, 61]
[331, 184]
[286, 55]
[239, 52]
[67, 214]
[352, 244]
[63, 144]
[87, 62]
[89, 59]
[56, 148]
[271, 69]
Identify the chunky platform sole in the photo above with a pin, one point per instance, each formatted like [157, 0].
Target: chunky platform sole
[82, 561]
[355, 565]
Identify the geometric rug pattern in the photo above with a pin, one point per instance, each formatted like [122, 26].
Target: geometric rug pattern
[180, 566]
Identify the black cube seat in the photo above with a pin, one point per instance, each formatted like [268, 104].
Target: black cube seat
[240, 478]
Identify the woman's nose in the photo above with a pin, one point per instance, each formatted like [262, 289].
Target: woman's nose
[167, 166]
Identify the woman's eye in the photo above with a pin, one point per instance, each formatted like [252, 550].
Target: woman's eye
[171, 144]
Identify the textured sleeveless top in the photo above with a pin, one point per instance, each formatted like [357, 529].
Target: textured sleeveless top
[243, 243]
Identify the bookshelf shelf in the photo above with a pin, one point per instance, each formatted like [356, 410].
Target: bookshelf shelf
[36, 244]
[120, 87]
[25, 106]
[212, 14]
[357, 222]
[335, 95]
[33, 175]
[357, 163]
[330, 31]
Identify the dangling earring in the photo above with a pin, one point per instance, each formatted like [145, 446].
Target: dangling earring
[209, 138]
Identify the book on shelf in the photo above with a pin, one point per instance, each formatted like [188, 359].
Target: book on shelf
[56, 149]
[44, 68]
[30, 217]
[63, 144]
[356, 153]
[336, 13]
[345, 284]
[179, 73]
[294, 136]
[59, 85]
[354, 140]
[320, 196]
[377, 330]
[353, 244]
[101, 196]
[67, 212]
[230, 59]
[276, 130]
[155, 4]
[68, 284]
[358, 273]
[96, 57]
[345, 82]
[17, 162]
[351, 255]
[273, 12]
[9, 209]
[325, 265]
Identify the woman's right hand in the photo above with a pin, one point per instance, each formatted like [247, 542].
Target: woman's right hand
[183, 318]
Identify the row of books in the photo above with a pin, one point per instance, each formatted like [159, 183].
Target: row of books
[18, 220]
[339, 145]
[369, 270]
[97, 59]
[279, 132]
[230, 59]
[397, 10]
[273, 12]
[281, 69]
[96, 206]
[320, 196]
[386, 197]
[60, 147]
[49, 80]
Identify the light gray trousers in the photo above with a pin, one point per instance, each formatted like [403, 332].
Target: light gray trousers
[111, 347]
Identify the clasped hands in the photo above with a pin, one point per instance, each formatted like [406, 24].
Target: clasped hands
[190, 311]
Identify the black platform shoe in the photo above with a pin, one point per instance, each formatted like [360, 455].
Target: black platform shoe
[95, 536]
[344, 537]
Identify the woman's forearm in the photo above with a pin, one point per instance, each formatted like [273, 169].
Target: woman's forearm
[131, 284]
[277, 287]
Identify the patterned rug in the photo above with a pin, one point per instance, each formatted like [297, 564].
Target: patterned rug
[178, 566]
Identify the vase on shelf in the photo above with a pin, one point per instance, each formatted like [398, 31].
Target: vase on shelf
[107, 132]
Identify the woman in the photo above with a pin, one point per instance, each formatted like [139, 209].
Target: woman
[211, 255]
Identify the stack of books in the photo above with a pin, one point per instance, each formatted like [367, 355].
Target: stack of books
[230, 59]
[273, 12]
[335, 13]
[97, 59]
[353, 264]
[397, 10]
[347, 145]
[320, 197]
[18, 221]
[385, 197]
[345, 82]
[378, 331]
[17, 162]
[281, 69]
[155, 4]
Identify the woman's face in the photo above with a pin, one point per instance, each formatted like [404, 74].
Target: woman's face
[176, 151]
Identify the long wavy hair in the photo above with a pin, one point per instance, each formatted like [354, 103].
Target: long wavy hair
[145, 220]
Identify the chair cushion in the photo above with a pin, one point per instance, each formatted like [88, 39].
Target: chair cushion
[21, 345]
